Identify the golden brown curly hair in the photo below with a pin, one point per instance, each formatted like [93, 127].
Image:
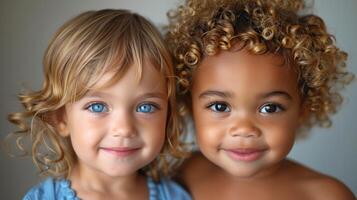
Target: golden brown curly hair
[80, 53]
[201, 28]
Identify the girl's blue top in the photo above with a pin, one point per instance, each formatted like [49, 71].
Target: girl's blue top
[60, 189]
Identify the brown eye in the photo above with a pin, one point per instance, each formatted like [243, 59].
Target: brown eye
[219, 107]
[271, 108]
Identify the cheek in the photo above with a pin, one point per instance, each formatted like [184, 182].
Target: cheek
[84, 136]
[281, 140]
[208, 133]
[153, 129]
[88, 133]
[281, 137]
[86, 130]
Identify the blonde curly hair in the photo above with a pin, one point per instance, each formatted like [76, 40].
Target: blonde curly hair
[202, 28]
[81, 52]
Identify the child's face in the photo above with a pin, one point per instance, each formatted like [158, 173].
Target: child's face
[118, 129]
[246, 110]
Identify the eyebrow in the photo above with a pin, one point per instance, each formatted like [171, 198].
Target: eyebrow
[227, 94]
[209, 93]
[93, 94]
[96, 94]
[277, 93]
[159, 95]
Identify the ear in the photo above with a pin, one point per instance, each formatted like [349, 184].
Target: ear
[60, 122]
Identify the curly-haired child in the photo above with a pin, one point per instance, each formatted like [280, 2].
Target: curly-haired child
[104, 125]
[253, 73]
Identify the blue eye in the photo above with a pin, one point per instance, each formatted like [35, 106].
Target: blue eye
[219, 107]
[97, 108]
[146, 108]
[271, 108]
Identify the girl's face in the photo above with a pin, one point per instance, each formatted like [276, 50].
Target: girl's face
[246, 109]
[118, 129]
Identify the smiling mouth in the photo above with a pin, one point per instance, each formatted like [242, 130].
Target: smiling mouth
[246, 155]
[120, 151]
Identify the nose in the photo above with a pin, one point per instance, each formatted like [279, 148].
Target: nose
[123, 125]
[244, 127]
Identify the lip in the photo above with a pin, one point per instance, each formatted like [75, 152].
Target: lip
[120, 151]
[246, 154]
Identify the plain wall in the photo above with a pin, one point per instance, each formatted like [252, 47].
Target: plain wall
[27, 26]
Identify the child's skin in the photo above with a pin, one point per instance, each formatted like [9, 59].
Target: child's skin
[247, 109]
[253, 74]
[116, 130]
[104, 125]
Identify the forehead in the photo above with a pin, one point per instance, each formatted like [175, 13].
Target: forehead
[145, 75]
[241, 70]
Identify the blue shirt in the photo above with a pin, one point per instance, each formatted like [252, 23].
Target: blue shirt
[61, 190]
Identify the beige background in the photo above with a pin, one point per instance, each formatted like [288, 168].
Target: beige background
[26, 27]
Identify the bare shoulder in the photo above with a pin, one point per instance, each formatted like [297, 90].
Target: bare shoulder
[329, 188]
[320, 186]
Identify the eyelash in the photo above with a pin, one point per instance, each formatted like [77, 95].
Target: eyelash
[210, 106]
[90, 107]
[154, 106]
[277, 106]
[105, 109]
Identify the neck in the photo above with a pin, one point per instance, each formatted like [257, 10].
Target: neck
[268, 174]
[90, 180]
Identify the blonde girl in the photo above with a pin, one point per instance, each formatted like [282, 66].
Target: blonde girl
[104, 124]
